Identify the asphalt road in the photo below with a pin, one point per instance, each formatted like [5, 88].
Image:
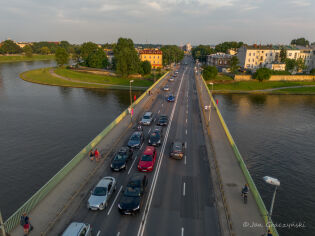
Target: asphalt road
[179, 198]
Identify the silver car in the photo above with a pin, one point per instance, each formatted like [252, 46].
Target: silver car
[78, 229]
[101, 194]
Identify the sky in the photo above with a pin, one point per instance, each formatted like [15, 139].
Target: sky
[158, 21]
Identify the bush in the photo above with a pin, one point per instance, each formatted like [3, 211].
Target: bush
[312, 72]
[262, 74]
[209, 72]
[146, 67]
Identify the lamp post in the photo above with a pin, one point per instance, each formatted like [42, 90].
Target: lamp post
[275, 182]
[2, 225]
[212, 87]
[131, 81]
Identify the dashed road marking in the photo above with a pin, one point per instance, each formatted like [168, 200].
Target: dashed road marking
[110, 209]
[184, 189]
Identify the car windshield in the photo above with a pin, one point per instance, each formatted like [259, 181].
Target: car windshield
[146, 117]
[155, 135]
[99, 191]
[146, 158]
[135, 137]
[132, 192]
[120, 156]
[177, 147]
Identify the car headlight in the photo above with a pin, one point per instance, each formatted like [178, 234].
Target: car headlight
[150, 167]
[137, 208]
[149, 141]
[159, 141]
[119, 206]
[123, 166]
[111, 165]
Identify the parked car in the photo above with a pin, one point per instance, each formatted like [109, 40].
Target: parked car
[166, 88]
[136, 139]
[177, 150]
[147, 160]
[101, 194]
[171, 98]
[155, 137]
[147, 118]
[132, 198]
[121, 158]
[78, 229]
[163, 120]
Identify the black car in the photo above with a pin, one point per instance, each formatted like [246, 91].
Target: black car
[177, 150]
[131, 200]
[121, 158]
[155, 138]
[136, 140]
[163, 120]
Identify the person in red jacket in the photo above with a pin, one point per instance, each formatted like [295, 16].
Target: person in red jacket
[96, 155]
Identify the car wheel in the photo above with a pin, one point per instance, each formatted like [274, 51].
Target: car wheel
[102, 207]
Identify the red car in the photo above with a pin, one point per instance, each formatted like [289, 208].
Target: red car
[147, 160]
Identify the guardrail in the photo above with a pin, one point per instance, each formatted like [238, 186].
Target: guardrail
[248, 177]
[30, 204]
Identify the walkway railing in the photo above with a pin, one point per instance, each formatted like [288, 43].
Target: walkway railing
[14, 219]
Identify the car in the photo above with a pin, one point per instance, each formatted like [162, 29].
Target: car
[171, 98]
[101, 194]
[136, 139]
[171, 79]
[121, 158]
[147, 160]
[78, 229]
[166, 88]
[177, 150]
[132, 197]
[176, 72]
[163, 120]
[155, 136]
[147, 118]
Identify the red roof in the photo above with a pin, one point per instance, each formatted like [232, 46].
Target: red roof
[150, 51]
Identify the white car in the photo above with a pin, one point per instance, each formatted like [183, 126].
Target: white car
[166, 88]
[78, 229]
[101, 193]
[147, 118]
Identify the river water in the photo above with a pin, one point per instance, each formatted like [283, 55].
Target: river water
[276, 135]
[43, 127]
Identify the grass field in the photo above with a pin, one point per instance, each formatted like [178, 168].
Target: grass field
[305, 90]
[256, 85]
[43, 76]
[16, 58]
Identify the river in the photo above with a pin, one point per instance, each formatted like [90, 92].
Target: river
[275, 135]
[43, 127]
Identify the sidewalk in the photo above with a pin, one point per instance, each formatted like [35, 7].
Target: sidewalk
[56, 203]
[243, 219]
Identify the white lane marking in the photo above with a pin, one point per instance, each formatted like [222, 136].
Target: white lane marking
[162, 104]
[185, 160]
[149, 131]
[110, 209]
[159, 112]
[182, 231]
[98, 233]
[118, 233]
[185, 145]
[184, 189]
[156, 173]
[186, 131]
[186, 120]
[132, 164]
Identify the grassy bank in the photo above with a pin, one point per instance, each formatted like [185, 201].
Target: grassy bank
[43, 76]
[305, 90]
[17, 58]
[256, 85]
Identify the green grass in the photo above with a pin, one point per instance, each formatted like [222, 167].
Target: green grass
[222, 77]
[87, 77]
[16, 58]
[256, 85]
[43, 76]
[305, 90]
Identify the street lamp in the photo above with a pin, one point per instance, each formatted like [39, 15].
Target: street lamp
[212, 87]
[2, 225]
[275, 182]
[130, 81]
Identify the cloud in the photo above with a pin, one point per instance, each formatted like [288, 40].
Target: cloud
[300, 3]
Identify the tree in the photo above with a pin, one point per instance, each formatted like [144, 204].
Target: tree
[224, 47]
[234, 64]
[300, 42]
[200, 52]
[44, 50]
[262, 74]
[86, 49]
[126, 57]
[283, 54]
[146, 67]
[209, 72]
[62, 56]
[312, 72]
[300, 64]
[10, 47]
[290, 65]
[172, 53]
[28, 51]
[97, 59]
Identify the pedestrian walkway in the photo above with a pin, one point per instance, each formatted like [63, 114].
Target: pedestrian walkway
[244, 219]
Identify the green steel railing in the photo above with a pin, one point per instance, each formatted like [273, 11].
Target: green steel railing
[30, 204]
[248, 177]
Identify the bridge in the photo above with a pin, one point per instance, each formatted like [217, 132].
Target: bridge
[198, 195]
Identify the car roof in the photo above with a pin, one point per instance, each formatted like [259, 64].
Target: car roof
[177, 144]
[148, 150]
[123, 149]
[137, 133]
[73, 229]
[148, 113]
[137, 177]
[105, 181]
[157, 128]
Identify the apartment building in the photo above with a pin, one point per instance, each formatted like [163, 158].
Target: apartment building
[220, 60]
[154, 56]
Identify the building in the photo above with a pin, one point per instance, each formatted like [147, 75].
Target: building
[279, 66]
[219, 60]
[154, 56]
[258, 56]
[23, 44]
[187, 48]
[232, 51]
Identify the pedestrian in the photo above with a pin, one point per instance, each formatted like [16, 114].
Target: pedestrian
[269, 233]
[91, 155]
[217, 101]
[149, 92]
[97, 155]
[25, 222]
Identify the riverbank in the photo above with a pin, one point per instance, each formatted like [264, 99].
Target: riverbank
[17, 58]
[265, 87]
[68, 78]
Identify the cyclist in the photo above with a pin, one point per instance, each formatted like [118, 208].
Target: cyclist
[245, 190]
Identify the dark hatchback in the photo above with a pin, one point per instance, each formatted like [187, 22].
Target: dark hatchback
[131, 200]
[136, 140]
[177, 150]
[155, 138]
[163, 120]
[121, 158]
